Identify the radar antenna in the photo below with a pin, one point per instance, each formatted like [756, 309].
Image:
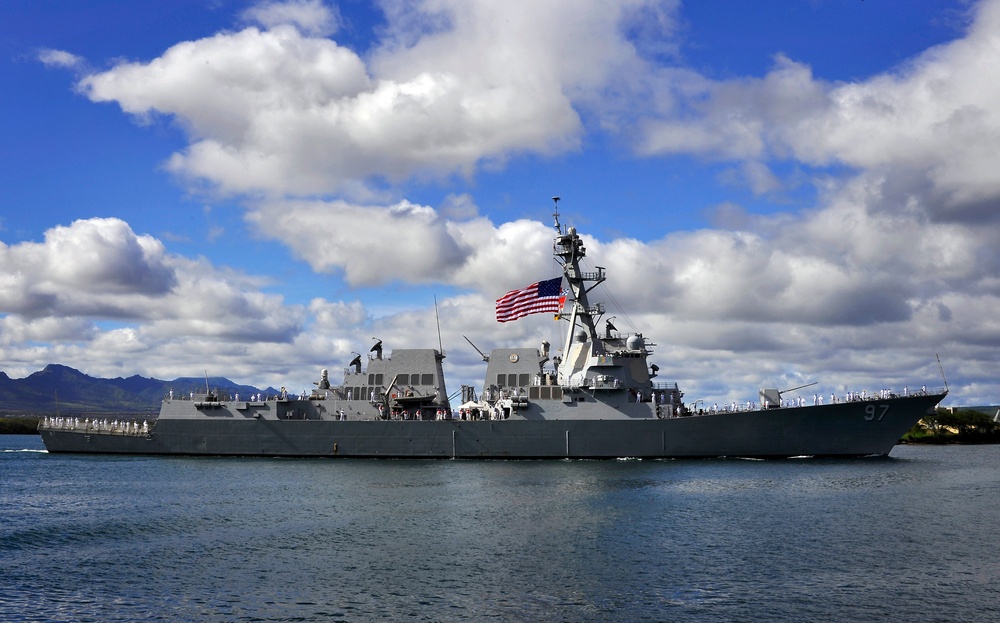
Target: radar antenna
[555, 213]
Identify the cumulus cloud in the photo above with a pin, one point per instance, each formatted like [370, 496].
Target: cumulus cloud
[936, 117]
[372, 245]
[96, 295]
[406, 243]
[98, 259]
[284, 110]
[19, 329]
[107, 256]
[310, 16]
[100, 269]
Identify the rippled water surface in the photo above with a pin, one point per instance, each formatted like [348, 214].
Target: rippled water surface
[98, 538]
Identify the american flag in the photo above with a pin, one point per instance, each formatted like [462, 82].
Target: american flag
[538, 298]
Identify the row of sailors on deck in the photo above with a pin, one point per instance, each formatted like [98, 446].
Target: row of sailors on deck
[653, 396]
[800, 401]
[105, 425]
[751, 405]
[882, 394]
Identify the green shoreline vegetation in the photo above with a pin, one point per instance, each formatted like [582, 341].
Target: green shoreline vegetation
[954, 426]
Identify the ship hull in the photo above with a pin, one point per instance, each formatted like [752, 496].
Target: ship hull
[859, 428]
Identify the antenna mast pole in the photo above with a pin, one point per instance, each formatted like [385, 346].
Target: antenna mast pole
[437, 318]
[941, 368]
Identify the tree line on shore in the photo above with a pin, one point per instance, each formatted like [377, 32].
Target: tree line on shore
[954, 426]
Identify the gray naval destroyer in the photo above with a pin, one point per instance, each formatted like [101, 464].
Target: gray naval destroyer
[598, 399]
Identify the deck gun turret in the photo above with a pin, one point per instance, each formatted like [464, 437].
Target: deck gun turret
[771, 396]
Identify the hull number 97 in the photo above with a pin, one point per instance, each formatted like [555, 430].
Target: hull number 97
[875, 412]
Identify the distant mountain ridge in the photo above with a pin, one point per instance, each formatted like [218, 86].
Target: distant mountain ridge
[62, 389]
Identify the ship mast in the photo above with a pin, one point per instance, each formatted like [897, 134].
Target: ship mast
[568, 250]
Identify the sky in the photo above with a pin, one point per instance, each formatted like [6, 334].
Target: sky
[780, 192]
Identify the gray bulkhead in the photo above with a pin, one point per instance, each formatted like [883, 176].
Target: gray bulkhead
[409, 384]
[613, 387]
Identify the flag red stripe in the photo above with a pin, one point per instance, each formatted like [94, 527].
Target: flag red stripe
[519, 303]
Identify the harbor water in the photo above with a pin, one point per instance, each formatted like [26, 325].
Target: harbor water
[912, 538]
